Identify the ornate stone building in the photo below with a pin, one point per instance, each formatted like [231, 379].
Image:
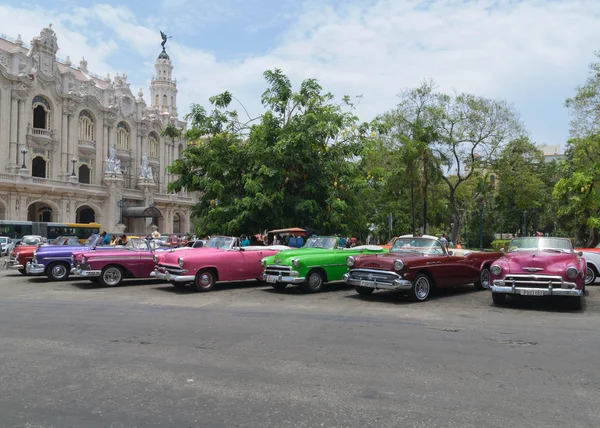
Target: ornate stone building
[75, 147]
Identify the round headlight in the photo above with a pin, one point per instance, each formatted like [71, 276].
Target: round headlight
[263, 262]
[155, 258]
[572, 272]
[295, 262]
[16, 254]
[180, 261]
[398, 265]
[83, 260]
[496, 270]
[350, 261]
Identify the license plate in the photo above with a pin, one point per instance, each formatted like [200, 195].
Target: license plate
[532, 293]
[366, 284]
[271, 279]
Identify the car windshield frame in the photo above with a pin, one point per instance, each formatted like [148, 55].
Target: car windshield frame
[323, 242]
[3, 240]
[542, 243]
[137, 244]
[221, 242]
[419, 245]
[31, 241]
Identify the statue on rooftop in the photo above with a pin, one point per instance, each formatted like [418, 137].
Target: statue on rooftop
[164, 39]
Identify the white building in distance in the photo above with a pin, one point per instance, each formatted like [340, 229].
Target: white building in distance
[75, 147]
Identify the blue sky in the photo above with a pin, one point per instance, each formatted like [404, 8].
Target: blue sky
[532, 53]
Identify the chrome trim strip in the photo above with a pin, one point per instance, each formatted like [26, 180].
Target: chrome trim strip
[397, 284]
[544, 291]
[281, 278]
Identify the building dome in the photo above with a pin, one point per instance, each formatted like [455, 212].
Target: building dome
[163, 55]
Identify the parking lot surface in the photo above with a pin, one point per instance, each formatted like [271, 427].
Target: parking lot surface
[146, 354]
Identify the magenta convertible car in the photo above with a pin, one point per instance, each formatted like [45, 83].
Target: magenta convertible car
[539, 266]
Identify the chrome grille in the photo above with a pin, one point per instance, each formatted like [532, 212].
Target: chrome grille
[533, 281]
[171, 269]
[278, 270]
[374, 275]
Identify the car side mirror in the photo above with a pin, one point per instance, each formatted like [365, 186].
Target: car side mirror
[450, 253]
[502, 250]
[580, 253]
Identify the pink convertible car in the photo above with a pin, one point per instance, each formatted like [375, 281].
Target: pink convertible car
[110, 266]
[539, 266]
[221, 259]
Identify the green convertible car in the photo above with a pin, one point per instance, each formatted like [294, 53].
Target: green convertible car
[319, 261]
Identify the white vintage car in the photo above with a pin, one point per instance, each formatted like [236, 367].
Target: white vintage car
[592, 258]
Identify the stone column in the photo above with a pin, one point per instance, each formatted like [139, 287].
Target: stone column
[110, 221]
[13, 137]
[21, 130]
[64, 146]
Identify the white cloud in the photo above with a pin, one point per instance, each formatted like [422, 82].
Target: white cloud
[532, 52]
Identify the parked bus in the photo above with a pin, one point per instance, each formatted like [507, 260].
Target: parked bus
[18, 229]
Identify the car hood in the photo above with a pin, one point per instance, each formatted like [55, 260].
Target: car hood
[546, 261]
[289, 254]
[170, 257]
[386, 260]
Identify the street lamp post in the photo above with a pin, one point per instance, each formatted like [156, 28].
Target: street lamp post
[73, 161]
[23, 152]
[524, 230]
[480, 205]
[121, 203]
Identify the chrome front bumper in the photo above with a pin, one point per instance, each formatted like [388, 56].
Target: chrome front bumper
[168, 276]
[86, 273]
[274, 279]
[552, 289]
[34, 268]
[396, 284]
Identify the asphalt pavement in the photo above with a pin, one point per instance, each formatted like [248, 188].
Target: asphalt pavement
[73, 354]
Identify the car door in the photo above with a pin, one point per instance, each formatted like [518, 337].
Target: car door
[247, 264]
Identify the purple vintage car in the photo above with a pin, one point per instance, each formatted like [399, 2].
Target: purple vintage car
[110, 266]
[539, 266]
[55, 260]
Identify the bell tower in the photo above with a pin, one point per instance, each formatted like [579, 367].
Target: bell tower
[163, 88]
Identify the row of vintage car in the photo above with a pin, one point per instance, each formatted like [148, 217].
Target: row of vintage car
[533, 266]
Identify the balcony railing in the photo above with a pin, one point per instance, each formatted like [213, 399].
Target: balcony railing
[41, 131]
[87, 146]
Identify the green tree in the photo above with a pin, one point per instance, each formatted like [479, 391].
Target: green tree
[296, 164]
[455, 136]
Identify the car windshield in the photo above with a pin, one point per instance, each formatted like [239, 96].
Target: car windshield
[92, 240]
[325, 242]
[136, 244]
[221, 242]
[59, 241]
[3, 240]
[417, 245]
[562, 245]
[30, 241]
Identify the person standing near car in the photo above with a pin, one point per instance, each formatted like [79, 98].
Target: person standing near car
[444, 241]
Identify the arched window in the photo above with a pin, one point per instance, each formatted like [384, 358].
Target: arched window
[87, 128]
[41, 112]
[164, 100]
[123, 137]
[153, 145]
[84, 174]
[39, 167]
[172, 102]
[179, 151]
[156, 100]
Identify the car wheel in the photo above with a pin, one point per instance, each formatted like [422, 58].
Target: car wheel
[314, 282]
[205, 280]
[179, 285]
[57, 271]
[364, 290]
[420, 289]
[484, 279]
[590, 275]
[279, 285]
[498, 298]
[23, 271]
[111, 276]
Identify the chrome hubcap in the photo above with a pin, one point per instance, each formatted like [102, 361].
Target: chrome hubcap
[485, 279]
[58, 271]
[589, 276]
[422, 288]
[112, 276]
[205, 280]
[315, 280]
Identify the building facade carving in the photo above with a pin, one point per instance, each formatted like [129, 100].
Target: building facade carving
[74, 146]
